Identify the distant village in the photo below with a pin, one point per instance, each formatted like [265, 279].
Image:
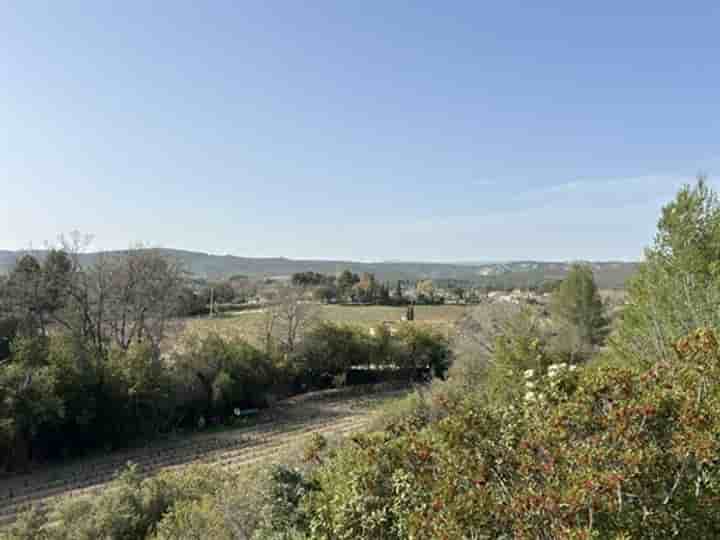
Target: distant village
[346, 287]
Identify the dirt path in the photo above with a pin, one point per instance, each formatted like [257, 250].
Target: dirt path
[277, 431]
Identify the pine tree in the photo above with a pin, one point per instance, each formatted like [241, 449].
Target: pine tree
[578, 305]
[677, 288]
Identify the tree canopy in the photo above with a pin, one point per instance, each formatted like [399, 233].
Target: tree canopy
[576, 303]
[677, 288]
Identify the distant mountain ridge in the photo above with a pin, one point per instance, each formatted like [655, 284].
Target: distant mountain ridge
[610, 274]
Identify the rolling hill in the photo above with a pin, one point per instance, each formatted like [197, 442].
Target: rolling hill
[518, 273]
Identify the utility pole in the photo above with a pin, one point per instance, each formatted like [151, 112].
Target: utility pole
[212, 301]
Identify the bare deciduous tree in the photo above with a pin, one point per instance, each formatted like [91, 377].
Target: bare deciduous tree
[287, 317]
[481, 325]
[121, 298]
[144, 291]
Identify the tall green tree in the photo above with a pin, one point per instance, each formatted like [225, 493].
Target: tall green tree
[677, 288]
[24, 296]
[345, 282]
[578, 307]
[688, 235]
[27, 401]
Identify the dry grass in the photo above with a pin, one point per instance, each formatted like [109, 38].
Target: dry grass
[247, 325]
[368, 315]
[280, 431]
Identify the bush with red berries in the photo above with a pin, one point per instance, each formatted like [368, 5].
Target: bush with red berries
[594, 452]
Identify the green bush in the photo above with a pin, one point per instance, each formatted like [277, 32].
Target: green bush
[283, 512]
[421, 347]
[194, 520]
[330, 349]
[216, 375]
[61, 397]
[522, 345]
[130, 509]
[29, 401]
[593, 452]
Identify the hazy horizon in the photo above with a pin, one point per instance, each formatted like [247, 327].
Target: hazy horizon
[468, 262]
[355, 132]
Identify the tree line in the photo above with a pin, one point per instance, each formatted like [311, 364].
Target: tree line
[92, 358]
[581, 428]
[615, 439]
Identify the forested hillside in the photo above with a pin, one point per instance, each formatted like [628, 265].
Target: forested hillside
[504, 275]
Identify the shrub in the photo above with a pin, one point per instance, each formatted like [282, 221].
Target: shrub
[194, 520]
[29, 402]
[421, 347]
[522, 345]
[329, 349]
[130, 508]
[592, 452]
[217, 375]
[283, 511]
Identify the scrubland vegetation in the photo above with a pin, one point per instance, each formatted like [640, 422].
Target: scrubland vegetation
[566, 421]
[66, 392]
[252, 325]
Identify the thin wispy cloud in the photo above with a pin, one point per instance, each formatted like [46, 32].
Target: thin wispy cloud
[612, 185]
[594, 219]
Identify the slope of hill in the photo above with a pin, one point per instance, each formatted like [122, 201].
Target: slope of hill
[518, 274]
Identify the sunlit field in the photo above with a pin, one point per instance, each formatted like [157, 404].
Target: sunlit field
[248, 325]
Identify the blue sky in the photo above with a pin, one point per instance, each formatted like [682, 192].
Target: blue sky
[439, 131]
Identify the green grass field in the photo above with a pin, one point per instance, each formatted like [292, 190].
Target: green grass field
[370, 315]
[247, 325]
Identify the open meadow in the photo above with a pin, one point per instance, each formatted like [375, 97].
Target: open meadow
[248, 324]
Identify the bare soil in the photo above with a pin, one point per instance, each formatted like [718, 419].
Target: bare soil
[273, 433]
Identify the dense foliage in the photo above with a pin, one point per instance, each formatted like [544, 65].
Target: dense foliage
[130, 508]
[677, 288]
[579, 312]
[606, 452]
[601, 453]
[61, 397]
[623, 446]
